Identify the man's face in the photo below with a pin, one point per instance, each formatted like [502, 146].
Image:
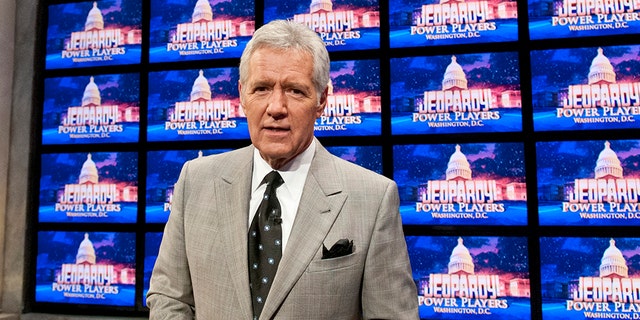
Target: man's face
[281, 103]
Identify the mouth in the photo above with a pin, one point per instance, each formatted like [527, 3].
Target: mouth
[276, 130]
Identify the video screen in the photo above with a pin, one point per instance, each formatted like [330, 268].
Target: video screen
[588, 183]
[465, 93]
[343, 25]
[94, 33]
[589, 278]
[93, 268]
[151, 249]
[571, 19]
[471, 277]
[195, 104]
[91, 109]
[586, 88]
[98, 187]
[419, 23]
[163, 170]
[369, 157]
[462, 184]
[354, 104]
[197, 30]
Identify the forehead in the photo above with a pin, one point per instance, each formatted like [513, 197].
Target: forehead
[268, 61]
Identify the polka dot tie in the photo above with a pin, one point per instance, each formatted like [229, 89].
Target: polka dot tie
[265, 243]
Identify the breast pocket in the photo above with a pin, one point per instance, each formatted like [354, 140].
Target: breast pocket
[337, 280]
[334, 264]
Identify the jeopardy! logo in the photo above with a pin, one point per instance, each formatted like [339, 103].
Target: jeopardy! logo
[460, 19]
[97, 42]
[91, 198]
[86, 279]
[202, 115]
[461, 291]
[609, 195]
[457, 105]
[337, 27]
[603, 99]
[93, 119]
[461, 197]
[583, 15]
[611, 295]
[206, 34]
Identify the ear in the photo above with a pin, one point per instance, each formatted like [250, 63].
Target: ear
[322, 103]
[240, 95]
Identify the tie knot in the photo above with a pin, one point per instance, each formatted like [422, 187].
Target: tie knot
[273, 180]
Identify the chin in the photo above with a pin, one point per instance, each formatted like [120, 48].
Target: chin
[274, 151]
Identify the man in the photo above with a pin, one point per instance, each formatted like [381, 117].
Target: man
[202, 268]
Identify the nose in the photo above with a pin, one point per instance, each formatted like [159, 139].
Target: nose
[277, 107]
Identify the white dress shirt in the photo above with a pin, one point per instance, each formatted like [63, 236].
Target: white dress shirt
[294, 175]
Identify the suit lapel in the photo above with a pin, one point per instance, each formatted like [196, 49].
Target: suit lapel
[321, 201]
[235, 187]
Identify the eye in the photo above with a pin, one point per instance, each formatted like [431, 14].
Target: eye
[297, 92]
[260, 89]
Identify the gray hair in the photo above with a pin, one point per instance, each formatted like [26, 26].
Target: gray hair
[283, 34]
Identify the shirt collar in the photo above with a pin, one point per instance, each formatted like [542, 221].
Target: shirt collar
[294, 173]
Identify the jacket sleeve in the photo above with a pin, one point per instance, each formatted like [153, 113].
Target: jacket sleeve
[388, 291]
[170, 293]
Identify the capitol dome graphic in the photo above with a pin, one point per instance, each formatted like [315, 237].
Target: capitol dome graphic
[89, 172]
[613, 264]
[454, 76]
[321, 6]
[94, 19]
[608, 165]
[201, 89]
[601, 70]
[461, 261]
[91, 95]
[86, 252]
[202, 12]
[458, 167]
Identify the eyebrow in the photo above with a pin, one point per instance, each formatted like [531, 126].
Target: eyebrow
[285, 84]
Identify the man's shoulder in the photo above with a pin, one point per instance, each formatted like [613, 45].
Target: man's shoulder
[225, 161]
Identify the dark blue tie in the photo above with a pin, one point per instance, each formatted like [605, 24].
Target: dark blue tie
[265, 243]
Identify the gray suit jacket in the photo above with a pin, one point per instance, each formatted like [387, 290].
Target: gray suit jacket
[202, 271]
